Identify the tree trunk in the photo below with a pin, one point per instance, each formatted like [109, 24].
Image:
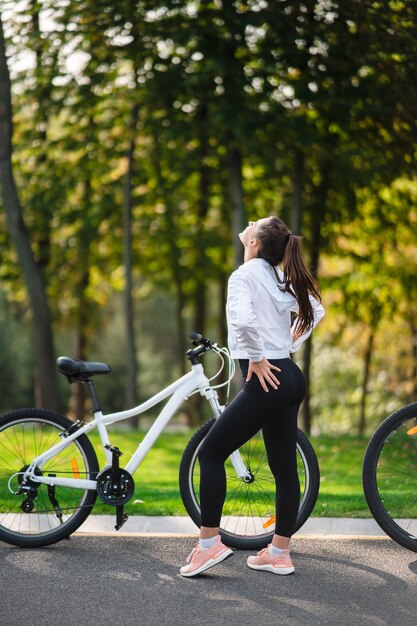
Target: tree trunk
[365, 381]
[319, 209]
[233, 122]
[47, 391]
[222, 326]
[413, 329]
[297, 193]
[78, 390]
[173, 258]
[200, 303]
[85, 235]
[200, 262]
[42, 206]
[234, 166]
[131, 354]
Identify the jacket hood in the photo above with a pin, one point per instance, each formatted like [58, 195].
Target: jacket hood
[262, 271]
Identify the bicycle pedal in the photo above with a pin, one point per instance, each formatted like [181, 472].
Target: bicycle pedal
[121, 517]
[120, 524]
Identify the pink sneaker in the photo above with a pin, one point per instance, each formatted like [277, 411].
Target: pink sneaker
[199, 560]
[280, 564]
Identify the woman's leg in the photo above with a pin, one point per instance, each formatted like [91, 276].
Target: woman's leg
[237, 424]
[251, 410]
[280, 436]
[240, 421]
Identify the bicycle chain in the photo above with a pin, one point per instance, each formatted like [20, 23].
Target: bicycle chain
[71, 508]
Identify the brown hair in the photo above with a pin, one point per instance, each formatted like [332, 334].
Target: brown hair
[278, 245]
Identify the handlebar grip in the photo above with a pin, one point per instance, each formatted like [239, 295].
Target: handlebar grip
[196, 336]
[202, 344]
[198, 340]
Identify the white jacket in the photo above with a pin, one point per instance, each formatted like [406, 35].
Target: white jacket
[259, 314]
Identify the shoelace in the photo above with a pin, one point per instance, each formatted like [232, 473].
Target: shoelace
[264, 551]
[192, 553]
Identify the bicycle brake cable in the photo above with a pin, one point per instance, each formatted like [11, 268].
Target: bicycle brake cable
[231, 366]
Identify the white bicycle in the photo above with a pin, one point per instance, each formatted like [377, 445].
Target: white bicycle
[50, 477]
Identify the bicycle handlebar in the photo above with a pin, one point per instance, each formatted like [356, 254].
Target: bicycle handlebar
[197, 339]
[202, 344]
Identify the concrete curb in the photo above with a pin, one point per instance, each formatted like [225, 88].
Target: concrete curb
[183, 526]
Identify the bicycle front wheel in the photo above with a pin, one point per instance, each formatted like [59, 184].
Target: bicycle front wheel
[44, 515]
[389, 476]
[248, 520]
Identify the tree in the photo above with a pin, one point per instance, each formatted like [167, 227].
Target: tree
[47, 392]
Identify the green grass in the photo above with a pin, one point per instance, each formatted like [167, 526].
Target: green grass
[340, 460]
[156, 480]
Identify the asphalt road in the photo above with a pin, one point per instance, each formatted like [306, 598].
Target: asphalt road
[135, 580]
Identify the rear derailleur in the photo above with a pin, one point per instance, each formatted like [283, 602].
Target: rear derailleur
[29, 489]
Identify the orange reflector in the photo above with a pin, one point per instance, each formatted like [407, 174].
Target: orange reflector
[75, 468]
[412, 431]
[269, 522]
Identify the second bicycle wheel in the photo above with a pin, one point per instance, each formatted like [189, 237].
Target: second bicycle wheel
[42, 514]
[390, 476]
[248, 520]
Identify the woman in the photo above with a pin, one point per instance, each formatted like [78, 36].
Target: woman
[261, 302]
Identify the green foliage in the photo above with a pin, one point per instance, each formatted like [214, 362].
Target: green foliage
[337, 386]
[331, 82]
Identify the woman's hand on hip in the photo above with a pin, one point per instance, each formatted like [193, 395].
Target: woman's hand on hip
[264, 371]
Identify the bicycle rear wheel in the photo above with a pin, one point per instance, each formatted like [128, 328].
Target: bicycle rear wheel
[389, 476]
[248, 520]
[48, 514]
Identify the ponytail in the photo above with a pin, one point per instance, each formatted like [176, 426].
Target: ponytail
[278, 245]
[300, 283]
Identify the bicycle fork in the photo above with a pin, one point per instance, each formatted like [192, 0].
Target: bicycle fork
[240, 468]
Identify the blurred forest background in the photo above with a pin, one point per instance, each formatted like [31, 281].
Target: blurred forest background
[138, 137]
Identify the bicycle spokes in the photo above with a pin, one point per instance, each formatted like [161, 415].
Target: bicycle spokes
[32, 513]
[390, 476]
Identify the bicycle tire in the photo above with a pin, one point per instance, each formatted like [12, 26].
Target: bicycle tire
[24, 434]
[389, 476]
[250, 532]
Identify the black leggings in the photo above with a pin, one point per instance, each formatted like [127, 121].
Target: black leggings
[252, 409]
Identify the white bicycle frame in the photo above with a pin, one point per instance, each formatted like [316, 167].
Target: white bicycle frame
[179, 391]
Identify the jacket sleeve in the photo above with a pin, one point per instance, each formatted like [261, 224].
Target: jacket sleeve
[242, 317]
[318, 312]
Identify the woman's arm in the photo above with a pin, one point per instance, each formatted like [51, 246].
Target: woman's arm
[246, 328]
[242, 317]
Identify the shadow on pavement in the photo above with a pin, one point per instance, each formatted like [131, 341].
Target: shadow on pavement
[137, 581]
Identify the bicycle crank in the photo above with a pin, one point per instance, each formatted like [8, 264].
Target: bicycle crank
[115, 492]
[115, 486]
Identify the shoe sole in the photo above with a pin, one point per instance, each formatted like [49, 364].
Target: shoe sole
[282, 571]
[211, 563]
